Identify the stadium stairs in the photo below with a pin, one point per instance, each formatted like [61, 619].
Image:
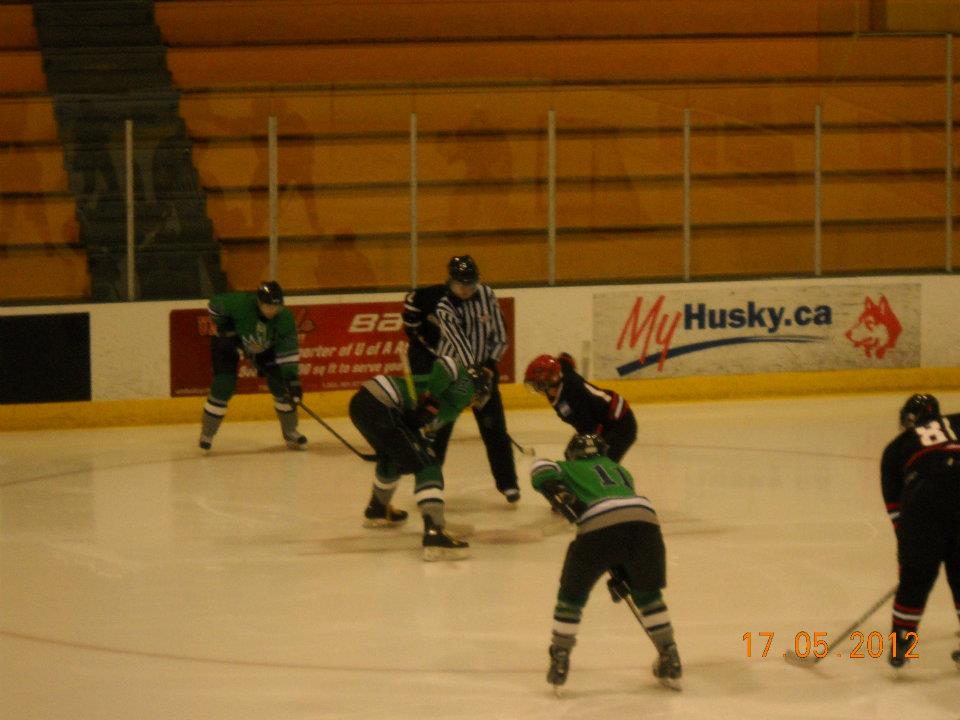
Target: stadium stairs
[105, 63]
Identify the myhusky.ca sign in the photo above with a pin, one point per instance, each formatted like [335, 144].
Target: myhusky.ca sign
[751, 330]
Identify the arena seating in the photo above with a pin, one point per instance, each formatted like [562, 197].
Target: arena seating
[39, 250]
[481, 84]
[343, 78]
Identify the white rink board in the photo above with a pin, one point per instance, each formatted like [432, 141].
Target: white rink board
[130, 353]
[729, 328]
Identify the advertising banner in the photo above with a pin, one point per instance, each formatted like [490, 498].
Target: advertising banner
[340, 347]
[734, 330]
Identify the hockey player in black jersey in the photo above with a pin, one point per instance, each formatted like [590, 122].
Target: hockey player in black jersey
[920, 479]
[461, 319]
[588, 408]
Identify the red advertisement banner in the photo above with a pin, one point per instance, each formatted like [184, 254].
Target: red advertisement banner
[340, 347]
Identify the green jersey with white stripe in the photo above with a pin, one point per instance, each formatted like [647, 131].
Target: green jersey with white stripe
[237, 313]
[447, 381]
[603, 489]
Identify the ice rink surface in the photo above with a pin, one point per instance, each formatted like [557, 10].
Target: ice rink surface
[141, 580]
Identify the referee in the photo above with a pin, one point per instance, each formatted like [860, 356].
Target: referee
[461, 318]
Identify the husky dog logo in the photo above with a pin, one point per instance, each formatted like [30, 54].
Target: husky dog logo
[877, 328]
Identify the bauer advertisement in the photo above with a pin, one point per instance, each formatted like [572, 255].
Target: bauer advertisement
[761, 329]
[340, 347]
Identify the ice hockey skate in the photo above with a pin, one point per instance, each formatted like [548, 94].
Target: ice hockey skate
[295, 441]
[378, 515]
[899, 650]
[512, 494]
[205, 444]
[559, 666]
[667, 669]
[438, 544]
[955, 656]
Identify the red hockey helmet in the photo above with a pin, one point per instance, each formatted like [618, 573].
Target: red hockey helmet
[542, 373]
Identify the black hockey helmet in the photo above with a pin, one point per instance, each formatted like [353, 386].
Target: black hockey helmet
[270, 293]
[918, 409]
[463, 269]
[585, 445]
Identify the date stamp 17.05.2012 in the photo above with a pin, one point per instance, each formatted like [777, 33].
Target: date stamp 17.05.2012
[817, 644]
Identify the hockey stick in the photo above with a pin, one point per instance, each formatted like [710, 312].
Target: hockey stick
[523, 450]
[620, 589]
[369, 457]
[408, 376]
[811, 660]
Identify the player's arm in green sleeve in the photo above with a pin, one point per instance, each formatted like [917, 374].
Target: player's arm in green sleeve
[443, 373]
[220, 314]
[449, 383]
[545, 475]
[547, 478]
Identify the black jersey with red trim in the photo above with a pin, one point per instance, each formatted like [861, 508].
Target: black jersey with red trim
[930, 451]
[585, 406]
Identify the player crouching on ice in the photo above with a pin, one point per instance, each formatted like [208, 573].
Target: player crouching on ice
[617, 532]
[588, 408]
[399, 417]
[258, 326]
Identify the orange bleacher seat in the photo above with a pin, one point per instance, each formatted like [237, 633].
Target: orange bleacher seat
[241, 22]
[27, 120]
[688, 59]
[38, 221]
[16, 27]
[32, 169]
[22, 72]
[45, 274]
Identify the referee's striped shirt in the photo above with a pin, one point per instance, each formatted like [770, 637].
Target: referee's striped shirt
[472, 330]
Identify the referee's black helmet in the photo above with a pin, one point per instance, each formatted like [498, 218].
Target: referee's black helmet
[463, 269]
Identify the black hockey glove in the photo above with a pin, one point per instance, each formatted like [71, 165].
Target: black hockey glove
[482, 379]
[294, 391]
[266, 364]
[425, 412]
[428, 435]
[421, 453]
[561, 500]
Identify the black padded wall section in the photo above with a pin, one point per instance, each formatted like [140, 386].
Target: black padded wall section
[44, 358]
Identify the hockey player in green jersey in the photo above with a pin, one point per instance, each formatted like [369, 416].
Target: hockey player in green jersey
[400, 423]
[617, 532]
[262, 329]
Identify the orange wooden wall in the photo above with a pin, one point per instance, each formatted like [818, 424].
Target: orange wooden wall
[481, 75]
